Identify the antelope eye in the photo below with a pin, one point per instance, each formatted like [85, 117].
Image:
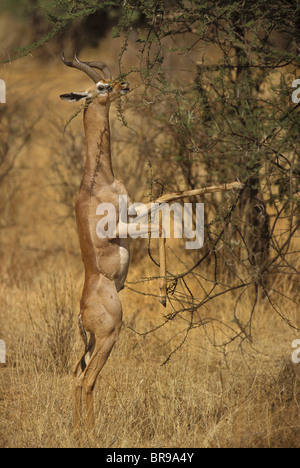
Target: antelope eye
[101, 88]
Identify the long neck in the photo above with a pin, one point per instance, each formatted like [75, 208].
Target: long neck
[98, 170]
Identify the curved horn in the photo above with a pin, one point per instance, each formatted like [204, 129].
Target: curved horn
[84, 67]
[101, 66]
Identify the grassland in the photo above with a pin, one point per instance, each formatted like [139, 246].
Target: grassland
[201, 398]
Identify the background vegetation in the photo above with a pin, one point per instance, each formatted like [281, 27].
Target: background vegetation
[211, 103]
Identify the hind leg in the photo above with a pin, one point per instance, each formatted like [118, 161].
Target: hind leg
[100, 346]
[78, 375]
[102, 318]
[102, 350]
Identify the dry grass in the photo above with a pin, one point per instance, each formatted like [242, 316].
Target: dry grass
[203, 397]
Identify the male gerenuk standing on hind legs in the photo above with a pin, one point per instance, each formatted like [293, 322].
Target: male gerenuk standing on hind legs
[105, 261]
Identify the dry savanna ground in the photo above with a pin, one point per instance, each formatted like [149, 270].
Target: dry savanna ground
[201, 398]
[245, 396]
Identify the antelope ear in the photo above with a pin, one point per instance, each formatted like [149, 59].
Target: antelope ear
[74, 97]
